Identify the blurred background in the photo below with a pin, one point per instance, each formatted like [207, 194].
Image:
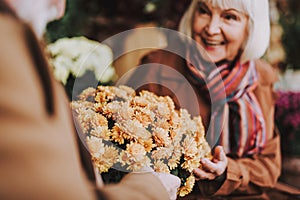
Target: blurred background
[101, 19]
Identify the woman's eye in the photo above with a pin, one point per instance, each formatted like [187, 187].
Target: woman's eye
[202, 10]
[230, 17]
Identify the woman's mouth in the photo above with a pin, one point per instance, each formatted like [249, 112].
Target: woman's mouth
[212, 43]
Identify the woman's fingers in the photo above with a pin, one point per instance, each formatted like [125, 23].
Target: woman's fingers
[220, 154]
[201, 174]
[214, 168]
[223, 160]
[209, 166]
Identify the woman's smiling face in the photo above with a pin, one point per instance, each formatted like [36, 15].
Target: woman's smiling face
[221, 32]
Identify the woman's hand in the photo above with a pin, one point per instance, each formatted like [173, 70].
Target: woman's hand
[212, 169]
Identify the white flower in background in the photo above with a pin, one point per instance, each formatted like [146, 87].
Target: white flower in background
[62, 68]
[77, 55]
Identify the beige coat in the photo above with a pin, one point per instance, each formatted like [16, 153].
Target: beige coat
[39, 156]
[244, 175]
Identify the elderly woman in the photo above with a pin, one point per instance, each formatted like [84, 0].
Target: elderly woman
[41, 155]
[231, 36]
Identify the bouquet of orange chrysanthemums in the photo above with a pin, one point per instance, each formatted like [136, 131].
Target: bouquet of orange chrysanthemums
[130, 131]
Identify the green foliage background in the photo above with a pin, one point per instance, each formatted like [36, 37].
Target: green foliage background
[72, 24]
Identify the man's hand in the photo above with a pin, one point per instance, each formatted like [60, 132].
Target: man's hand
[170, 182]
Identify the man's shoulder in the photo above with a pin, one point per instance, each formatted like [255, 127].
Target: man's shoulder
[11, 35]
[8, 23]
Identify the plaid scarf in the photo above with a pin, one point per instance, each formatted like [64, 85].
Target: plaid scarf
[237, 121]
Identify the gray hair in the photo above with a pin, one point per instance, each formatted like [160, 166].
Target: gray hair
[258, 28]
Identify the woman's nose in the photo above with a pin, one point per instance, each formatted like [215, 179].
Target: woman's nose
[213, 26]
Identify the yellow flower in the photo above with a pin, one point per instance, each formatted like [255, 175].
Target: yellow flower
[148, 145]
[190, 163]
[139, 164]
[147, 125]
[87, 93]
[107, 159]
[133, 130]
[136, 150]
[162, 153]
[104, 94]
[137, 157]
[200, 132]
[95, 145]
[125, 158]
[101, 120]
[160, 166]
[161, 137]
[143, 116]
[173, 163]
[133, 163]
[189, 146]
[187, 187]
[118, 134]
[101, 132]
